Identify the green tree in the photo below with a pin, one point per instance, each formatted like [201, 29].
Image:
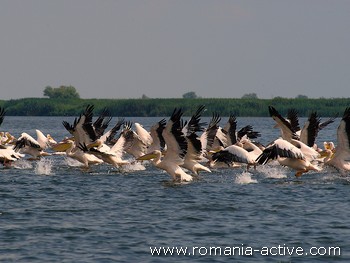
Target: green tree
[250, 96]
[190, 95]
[62, 92]
[301, 97]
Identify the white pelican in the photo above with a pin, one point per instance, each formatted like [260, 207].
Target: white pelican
[213, 139]
[194, 152]
[176, 150]
[327, 152]
[44, 141]
[156, 131]
[77, 128]
[341, 157]
[68, 146]
[208, 137]
[7, 138]
[287, 131]
[108, 137]
[104, 153]
[26, 144]
[311, 127]
[112, 155]
[244, 151]
[8, 155]
[100, 124]
[234, 136]
[137, 141]
[287, 154]
[88, 136]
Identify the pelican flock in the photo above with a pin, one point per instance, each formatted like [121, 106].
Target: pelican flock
[186, 148]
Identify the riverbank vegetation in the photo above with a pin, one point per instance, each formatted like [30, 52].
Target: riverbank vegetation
[147, 107]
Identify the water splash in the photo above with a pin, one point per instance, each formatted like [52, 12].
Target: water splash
[245, 178]
[43, 167]
[136, 166]
[22, 164]
[72, 162]
[270, 171]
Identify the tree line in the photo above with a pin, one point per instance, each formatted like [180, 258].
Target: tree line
[240, 107]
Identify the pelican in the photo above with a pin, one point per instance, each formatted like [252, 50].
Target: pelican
[287, 154]
[341, 157]
[108, 137]
[194, 146]
[68, 146]
[288, 132]
[88, 136]
[156, 131]
[311, 127]
[234, 136]
[243, 152]
[84, 130]
[8, 155]
[208, 137]
[110, 155]
[26, 144]
[138, 141]
[44, 141]
[176, 150]
[7, 138]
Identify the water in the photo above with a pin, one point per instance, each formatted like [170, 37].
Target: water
[52, 211]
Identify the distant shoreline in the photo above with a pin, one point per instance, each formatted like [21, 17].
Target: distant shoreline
[149, 107]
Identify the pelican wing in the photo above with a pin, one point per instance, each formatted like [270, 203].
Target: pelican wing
[292, 116]
[108, 137]
[280, 148]
[175, 140]
[80, 128]
[308, 152]
[310, 130]
[341, 158]
[220, 139]
[143, 134]
[327, 122]
[249, 132]
[194, 148]
[2, 114]
[285, 126]
[133, 145]
[157, 137]
[102, 122]
[232, 153]
[343, 131]
[208, 136]
[194, 124]
[230, 128]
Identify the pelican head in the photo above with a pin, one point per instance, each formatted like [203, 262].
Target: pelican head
[329, 145]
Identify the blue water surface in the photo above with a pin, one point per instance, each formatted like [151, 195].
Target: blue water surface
[53, 211]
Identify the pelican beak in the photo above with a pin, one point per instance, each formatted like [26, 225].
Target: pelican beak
[61, 146]
[92, 145]
[146, 157]
[216, 150]
[323, 154]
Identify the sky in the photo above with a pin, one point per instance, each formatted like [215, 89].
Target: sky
[165, 48]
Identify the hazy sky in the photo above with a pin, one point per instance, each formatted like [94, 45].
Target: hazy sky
[165, 48]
